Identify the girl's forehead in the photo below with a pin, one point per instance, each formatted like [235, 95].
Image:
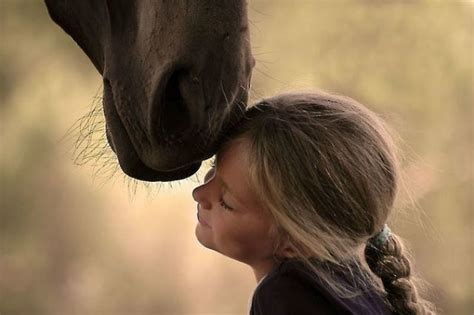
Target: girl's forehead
[236, 148]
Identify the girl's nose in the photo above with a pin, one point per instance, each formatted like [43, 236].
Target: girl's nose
[199, 195]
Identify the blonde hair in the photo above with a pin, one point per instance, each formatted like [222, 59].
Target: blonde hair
[326, 169]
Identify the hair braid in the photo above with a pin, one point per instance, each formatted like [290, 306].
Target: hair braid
[388, 261]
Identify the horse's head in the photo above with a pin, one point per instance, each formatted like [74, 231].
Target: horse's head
[175, 74]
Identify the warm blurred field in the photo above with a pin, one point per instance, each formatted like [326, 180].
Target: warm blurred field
[75, 243]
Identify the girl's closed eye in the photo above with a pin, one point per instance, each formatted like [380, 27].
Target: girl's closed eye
[225, 205]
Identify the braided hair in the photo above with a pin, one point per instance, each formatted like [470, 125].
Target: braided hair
[385, 256]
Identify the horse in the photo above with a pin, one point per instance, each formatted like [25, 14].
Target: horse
[176, 74]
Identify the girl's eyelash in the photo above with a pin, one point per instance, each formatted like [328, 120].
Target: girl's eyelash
[224, 205]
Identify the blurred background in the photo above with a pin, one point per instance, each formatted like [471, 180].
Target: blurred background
[83, 239]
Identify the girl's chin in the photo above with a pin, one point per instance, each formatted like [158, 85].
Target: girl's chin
[202, 235]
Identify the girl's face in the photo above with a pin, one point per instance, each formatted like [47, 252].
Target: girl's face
[231, 220]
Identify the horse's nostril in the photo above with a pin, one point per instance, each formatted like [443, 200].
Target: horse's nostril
[174, 117]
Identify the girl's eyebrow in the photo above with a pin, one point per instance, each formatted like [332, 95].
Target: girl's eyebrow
[224, 184]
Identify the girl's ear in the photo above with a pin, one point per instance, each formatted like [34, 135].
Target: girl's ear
[283, 245]
[287, 251]
[286, 248]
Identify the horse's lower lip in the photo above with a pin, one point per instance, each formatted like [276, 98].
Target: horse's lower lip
[142, 171]
[151, 175]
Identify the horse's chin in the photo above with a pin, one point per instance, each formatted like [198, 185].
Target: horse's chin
[143, 172]
[133, 166]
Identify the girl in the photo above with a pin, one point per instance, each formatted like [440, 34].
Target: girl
[300, 191]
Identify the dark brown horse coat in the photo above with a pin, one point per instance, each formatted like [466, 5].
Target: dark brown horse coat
[175, 74]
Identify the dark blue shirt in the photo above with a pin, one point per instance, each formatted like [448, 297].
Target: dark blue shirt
[291, 289]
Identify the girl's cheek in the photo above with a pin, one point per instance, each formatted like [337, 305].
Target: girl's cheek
[220, 229]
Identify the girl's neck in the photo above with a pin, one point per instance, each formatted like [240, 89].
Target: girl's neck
[262, 268]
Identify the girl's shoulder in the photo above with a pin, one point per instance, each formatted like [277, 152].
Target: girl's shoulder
[290, 288]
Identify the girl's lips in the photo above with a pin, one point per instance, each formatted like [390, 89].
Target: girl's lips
[202, 221]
